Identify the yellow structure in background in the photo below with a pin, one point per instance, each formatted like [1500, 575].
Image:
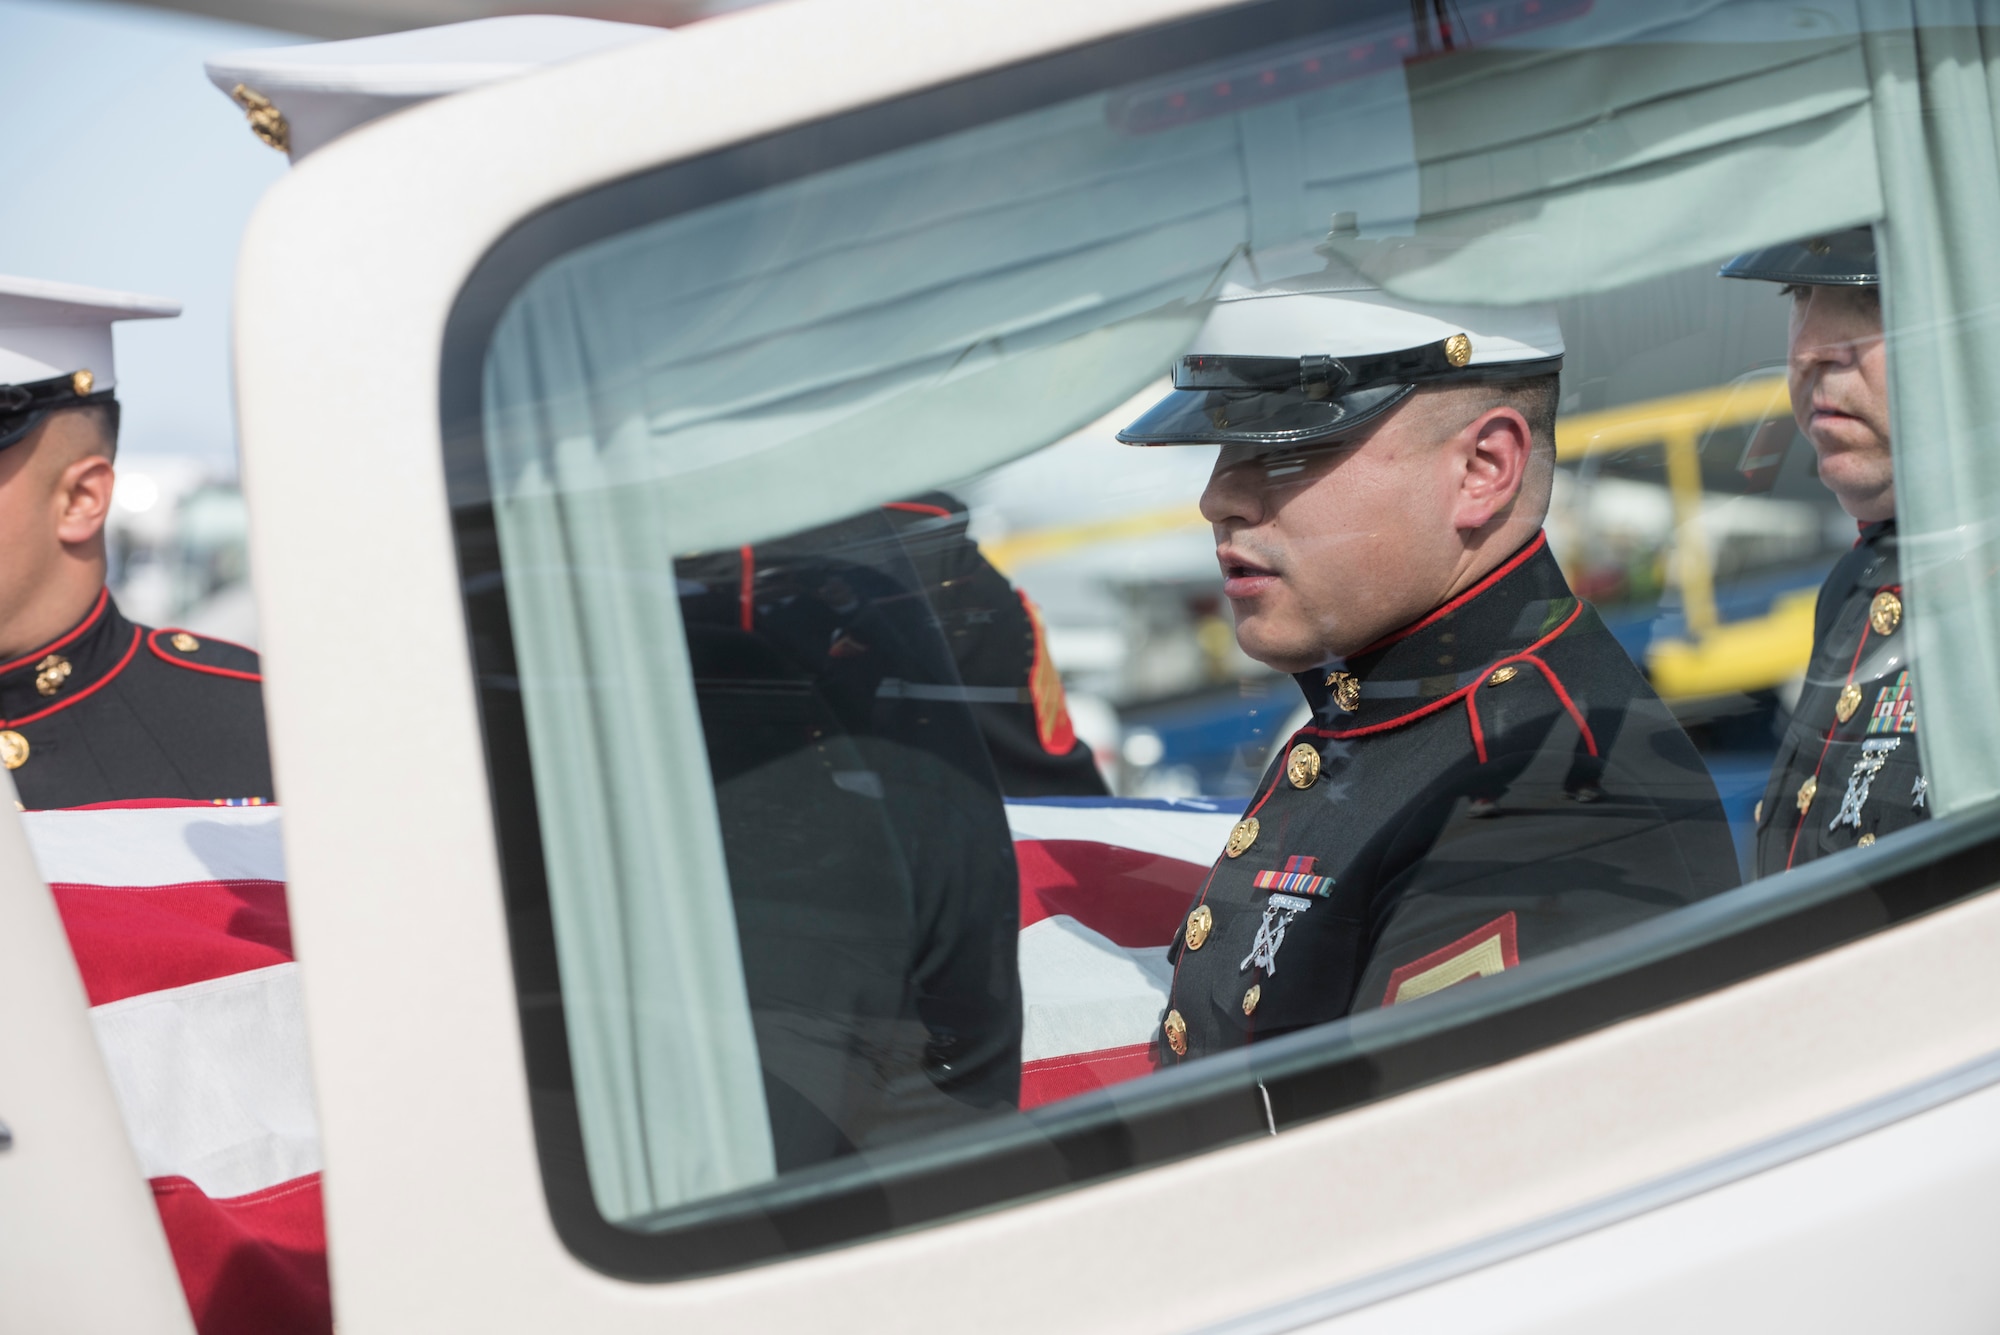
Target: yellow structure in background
[1010, 553]
[1747, 655]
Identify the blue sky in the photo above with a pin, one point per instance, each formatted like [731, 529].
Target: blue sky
[127, 169]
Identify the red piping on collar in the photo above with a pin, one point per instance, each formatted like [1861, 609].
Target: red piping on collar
[83, 694]
[1493, 577]
[746, 606]
[153, 643]
[1461, 693]
[917, 508]
[96, 611]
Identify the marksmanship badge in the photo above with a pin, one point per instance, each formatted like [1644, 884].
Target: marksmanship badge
[1874, 755]
[1279, 910]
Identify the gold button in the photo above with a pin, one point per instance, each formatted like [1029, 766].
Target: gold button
[1885, 613]
[1757, 812]
[1346, 691]
[1252, 997]
[1302, 765]
[82, 382]
[1458, 350]
[184, 642]
[1176, 1030]
[1850, 700]
[1807, 790]
[1199, 924]
[1240, 838]
[13, 749]
[1502, 675]
[51, 673]
[1864, 841]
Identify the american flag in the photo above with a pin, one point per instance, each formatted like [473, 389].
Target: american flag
[176, 915]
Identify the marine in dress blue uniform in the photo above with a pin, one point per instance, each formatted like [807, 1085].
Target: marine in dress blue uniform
[105, 711]
[870, 862]
[115, 711]
[1001, 649]
[1847, 770]
[1489, 783]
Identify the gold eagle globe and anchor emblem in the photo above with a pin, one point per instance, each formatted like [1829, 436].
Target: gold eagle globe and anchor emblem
[266, 121]
[51, 673]
[1346, 688]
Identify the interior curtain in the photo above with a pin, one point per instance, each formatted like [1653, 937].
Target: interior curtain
[761, 366]
[669, 1092]
[1626, 147]
[1933, 66]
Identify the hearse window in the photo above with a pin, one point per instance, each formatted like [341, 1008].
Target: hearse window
[1165, 592]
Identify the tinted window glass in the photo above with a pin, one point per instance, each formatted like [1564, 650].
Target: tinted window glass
[1171, 591]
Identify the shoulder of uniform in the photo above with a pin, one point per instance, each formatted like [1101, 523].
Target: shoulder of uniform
[1564, 677]
[203, 654]
[1518, 692]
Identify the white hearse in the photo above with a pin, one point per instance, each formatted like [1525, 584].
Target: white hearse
[548, 387]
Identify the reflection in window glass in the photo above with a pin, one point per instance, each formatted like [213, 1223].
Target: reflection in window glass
[1283, 537]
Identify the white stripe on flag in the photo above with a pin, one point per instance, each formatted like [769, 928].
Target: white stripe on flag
[212, 1080]
[1189, 835]
[157, 845]
[1083, 992]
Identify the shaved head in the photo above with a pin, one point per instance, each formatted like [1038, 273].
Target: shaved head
[1445, 408]
[55, 494]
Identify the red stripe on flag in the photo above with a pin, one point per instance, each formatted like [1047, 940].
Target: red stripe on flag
[129, 941]
[1053, 1078]
[250, 1264]
[1133, 897]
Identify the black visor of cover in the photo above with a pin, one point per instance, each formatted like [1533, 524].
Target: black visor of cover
[1838, 259]
[1284, 401]
[22, 407]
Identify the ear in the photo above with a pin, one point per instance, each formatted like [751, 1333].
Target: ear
[83, 499]
[1495, 447]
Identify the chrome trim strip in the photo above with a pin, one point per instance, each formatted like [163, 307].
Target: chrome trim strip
[1855, 1122]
